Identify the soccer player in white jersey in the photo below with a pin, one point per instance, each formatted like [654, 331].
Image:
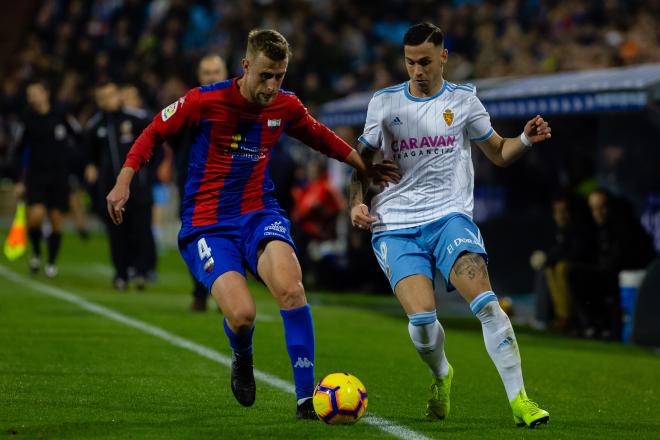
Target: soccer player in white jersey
[424, 222]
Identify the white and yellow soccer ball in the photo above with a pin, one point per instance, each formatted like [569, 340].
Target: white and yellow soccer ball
[340, 398]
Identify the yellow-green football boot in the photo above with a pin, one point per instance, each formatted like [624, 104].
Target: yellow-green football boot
[437, 407]
[526, 412]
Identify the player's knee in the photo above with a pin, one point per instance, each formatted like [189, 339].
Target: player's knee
[291, 296]
[241, 318]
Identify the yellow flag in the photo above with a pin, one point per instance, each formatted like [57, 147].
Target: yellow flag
[16, 243]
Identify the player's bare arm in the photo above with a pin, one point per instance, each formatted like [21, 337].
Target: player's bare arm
[358, 186]
[504, 151]
[118, 196]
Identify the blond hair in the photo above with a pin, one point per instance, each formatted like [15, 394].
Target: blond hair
[269, 42]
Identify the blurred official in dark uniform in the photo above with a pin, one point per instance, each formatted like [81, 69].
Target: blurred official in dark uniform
[109, 135]
[48, 138]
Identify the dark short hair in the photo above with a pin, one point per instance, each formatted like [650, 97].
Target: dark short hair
[423, 32]
[43, 82]
[269, 42]
[105, 82]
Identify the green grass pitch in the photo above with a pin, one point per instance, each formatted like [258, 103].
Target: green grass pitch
[68, 373]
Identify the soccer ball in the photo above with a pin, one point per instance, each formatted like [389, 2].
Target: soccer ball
[340, 398]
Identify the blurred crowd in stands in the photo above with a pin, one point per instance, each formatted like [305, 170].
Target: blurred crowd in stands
[339, 46]
[151, 49]
[595, 240]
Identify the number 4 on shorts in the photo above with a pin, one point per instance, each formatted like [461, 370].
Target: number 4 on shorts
[203, 249]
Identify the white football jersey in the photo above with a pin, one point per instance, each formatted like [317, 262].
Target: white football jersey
[430, 140]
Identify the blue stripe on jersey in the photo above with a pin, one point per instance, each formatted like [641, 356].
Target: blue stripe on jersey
[286, 92]
[268, 186]
[466, 87]
[245, 158]
[216, 86]
[199, 151]
[484, 137]
[392, 89]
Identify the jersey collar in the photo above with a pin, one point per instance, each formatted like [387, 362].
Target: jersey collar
[406, 90]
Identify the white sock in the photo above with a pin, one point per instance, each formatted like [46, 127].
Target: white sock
[500, 341]
[429, 340]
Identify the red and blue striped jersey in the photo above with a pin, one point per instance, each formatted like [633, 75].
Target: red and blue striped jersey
[233, 139]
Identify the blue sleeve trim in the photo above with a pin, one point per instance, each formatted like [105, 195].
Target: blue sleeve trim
[367, 144]
[484, 137]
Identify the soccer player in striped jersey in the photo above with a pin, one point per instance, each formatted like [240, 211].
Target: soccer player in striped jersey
[425, 222]
[230, 218]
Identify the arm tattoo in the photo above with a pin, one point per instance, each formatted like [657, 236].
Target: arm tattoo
[357, 188]
[471, 266]
[359, 183]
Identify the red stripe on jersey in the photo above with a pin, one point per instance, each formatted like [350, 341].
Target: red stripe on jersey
[254, 189]
[208, 195]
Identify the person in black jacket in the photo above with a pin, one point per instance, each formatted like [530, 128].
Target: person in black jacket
[109, 135]
[211, 69]
[574, 245]
[48, 138]
[621, 244]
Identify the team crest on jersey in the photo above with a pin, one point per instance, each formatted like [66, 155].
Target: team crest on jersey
[168, 111]
[274, 123]
[126, 132]
[448, 115]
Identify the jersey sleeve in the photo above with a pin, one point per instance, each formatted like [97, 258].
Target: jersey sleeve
[478, 121]
[316, 135]
[372, 136]
[182, 113]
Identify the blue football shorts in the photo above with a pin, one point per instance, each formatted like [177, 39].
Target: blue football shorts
[421, 249]
[233, 244]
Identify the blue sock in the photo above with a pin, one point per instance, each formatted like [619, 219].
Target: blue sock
[241, 342]
[299, 335]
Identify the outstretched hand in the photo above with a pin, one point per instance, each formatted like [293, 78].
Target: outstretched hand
[116, 199]
[537, 129]
[384, 173]
[360, 217]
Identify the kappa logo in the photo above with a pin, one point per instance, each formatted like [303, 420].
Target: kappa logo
[168, 111]
[303, 363]
[396, 121]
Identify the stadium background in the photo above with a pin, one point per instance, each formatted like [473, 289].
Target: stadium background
[343, 51]
[343, 48]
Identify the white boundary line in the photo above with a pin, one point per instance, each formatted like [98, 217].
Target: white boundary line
[385, 425]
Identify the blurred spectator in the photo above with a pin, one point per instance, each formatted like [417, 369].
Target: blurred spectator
[109, 135]
[622, 244]
[574, 244]
[211, 69]
[316, 211]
